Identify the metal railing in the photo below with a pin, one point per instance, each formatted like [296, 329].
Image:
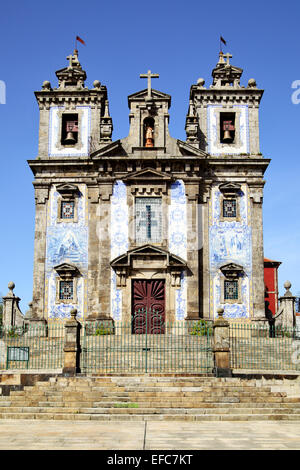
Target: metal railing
[264, 347]
[32, 346]
[147, 344]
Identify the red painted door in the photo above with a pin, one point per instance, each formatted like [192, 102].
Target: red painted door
[148, 306]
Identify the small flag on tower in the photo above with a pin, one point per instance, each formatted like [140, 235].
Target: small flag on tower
[223, 40]
[80, 40]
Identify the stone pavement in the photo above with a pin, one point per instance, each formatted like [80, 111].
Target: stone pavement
[155, 435]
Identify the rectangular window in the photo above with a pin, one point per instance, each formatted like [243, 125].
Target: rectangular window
[66, 290]
[231, 290]
[229, 208]
[67, 209]
[148, 220]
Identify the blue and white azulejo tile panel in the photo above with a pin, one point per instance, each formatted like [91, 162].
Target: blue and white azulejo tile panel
[66, 243]
[230, 242]
[55, 149]
[178, 240]
[119, 241]
[213, 131]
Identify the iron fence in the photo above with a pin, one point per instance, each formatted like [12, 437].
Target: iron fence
[32, 346]
[264, 347]
[147, 345]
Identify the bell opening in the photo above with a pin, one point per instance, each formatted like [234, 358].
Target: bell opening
[227, 128]
[69, 131]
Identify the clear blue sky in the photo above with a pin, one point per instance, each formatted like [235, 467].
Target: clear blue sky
[180, 41]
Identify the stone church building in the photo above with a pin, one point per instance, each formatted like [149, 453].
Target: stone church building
[149, 221]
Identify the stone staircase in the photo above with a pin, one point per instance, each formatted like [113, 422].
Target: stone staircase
[156, 397]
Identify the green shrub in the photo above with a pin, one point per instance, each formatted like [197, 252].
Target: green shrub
[201, 328]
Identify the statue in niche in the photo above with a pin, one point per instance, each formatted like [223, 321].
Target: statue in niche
[149, 132]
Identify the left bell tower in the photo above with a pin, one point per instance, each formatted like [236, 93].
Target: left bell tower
[74, 121]
[73, 118]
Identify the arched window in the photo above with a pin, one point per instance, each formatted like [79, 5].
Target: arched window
[148, 132]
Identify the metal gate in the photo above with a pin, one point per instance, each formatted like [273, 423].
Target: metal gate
[122, 347]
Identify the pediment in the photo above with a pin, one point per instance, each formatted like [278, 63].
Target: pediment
[187, 149]
[148, 174]
[113, 149]
[155, 94]
[228, 188]
[231, 269]
[66, 268]
[67, 189]
[148, 252]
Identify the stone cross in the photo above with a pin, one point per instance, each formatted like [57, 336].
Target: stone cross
[70, 58]
[228, 56]
[149, 75]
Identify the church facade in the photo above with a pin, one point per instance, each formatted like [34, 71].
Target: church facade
[149, 221]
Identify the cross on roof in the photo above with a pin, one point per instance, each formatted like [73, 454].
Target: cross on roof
[228, 56]
[149, 75]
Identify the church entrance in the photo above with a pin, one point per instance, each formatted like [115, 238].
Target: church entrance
[148, 306]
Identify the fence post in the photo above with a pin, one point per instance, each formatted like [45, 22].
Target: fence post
[221, 346]
[72, 345]
[287, 302]
[12, 315]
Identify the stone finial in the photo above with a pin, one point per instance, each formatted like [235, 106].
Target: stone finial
[46, 85]
[220, 312]
[73, 313]
[287, 285]
[252, 83]
[200, 82]
[11, 286]
[96, 84]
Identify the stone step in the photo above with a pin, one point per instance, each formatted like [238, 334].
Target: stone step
[152, 417]
[139, 411]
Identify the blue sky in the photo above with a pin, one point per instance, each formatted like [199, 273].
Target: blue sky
[180, 41]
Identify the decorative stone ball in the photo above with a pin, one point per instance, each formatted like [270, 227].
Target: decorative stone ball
[73, 312]
[46, 85]
[220, 311]
[96, 84]
[252, 83]
[287, 285]
[11, 285]
[200, 82]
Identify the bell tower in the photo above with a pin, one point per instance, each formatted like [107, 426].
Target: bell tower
[223, 121]
[226, 114]
[148, 119]
[73, 118]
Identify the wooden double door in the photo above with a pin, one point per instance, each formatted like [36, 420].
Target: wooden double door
[148, 306]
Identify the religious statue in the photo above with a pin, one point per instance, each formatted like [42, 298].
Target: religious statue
[149, 137]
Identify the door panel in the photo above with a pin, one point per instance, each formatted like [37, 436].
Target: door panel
[148, 299]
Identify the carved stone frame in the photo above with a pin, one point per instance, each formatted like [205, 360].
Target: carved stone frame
[68, 193]
[60, 112]
[149, 262]
[231, 272]
[237, 138]
[230, 191]
[148, 183]
[66, 272]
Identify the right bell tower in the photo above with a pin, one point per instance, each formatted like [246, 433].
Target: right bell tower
[223, 121]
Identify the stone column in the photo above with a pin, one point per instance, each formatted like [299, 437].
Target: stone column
[38, 298]
[192, 193]
[99, 252]
[203, 246]
[72, 345]
[287, 319]
[221, 346]
[94, 250]
[12, 315]
[258, 283]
